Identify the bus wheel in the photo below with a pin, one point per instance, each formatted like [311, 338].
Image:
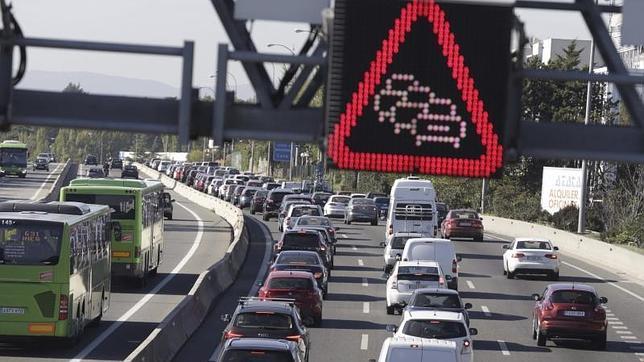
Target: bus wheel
[141, 281]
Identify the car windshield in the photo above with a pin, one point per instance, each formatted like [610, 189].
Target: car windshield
[290, 283]
[363, 202]
[299, 211]
[341, 200]
[304, 240]
[437, 329]
[249, 192]
[537, 245]
[321, 197]
[464, 215]
[574, 297]
[123, 205]
[256, 355]
[261, 193]
[423, 273]
[297, 258]
[436, 300]
[264, 320]
[278, 196]
[27, 242]
[10, 156]
[313, 221]
[399, 241]
[381, 201]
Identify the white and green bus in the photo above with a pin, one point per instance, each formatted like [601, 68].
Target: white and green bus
[137, 206]
[13, 158]
[54, 268]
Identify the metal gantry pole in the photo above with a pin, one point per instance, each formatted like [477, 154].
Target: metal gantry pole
[483, 192]
[581, 222]
[290, 164]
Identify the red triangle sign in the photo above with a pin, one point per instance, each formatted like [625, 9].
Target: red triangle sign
[435, 120]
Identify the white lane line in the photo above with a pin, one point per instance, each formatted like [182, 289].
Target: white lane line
[365, 282]
[623, 332]
[470, 284]
[610, 314]
[360, 262]
[614, 322]
[628, 337]
[364, 342]
[486, 311]
[365, 307]
[344, 236]
[612, 319]
[143, 301]
[641, 299]
[504, 347]
[354, 248]
[42, 186]
[619, 327]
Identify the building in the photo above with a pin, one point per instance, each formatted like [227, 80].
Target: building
[549, 49]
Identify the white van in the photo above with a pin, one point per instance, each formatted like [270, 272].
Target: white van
[412, 207]
[440, 250]
[415, 349]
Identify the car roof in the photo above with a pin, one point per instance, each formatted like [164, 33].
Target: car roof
[251, 306]
[263, 343]
[406, 234]
[407, 341]
[290, 274]
[571, 286]
[432, 314]
[437, 290]
[418, 263]
[531, 239]
[424, 240]
[302, 231]
[297, 252]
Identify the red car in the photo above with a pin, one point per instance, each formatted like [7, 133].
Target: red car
[298, 285]
[464, 224]
[569, 310]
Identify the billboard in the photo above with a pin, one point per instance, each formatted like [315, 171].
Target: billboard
[560, 187]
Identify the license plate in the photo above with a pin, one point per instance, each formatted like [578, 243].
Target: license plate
[12, 310]
[534, 258]
[574, 313]
[465, 224]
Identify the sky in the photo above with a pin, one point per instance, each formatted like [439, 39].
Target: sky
[171, 22]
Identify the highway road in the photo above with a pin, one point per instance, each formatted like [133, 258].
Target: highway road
[354, 322]
[33, 187]
[194, 240]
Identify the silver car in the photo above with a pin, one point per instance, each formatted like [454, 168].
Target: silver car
[361, 209]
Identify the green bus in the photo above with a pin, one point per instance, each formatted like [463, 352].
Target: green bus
[13, 158]
[54, 268]
[137, 242]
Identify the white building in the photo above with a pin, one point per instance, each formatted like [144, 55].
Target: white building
[549, 49]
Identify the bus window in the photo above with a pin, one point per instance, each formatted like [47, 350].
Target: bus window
[25, 242]
[123, 205]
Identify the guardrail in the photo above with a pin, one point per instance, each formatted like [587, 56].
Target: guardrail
[175, 329]
[54, 190]
[609, 256]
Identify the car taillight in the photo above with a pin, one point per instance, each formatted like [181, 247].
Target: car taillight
[518, 255]
[317, 275]
[551, 256]
[295, 338]
[467, 346]
[441, 280]
[322, 249]
[230, 335]
[390, 230]
[600, 313]
[454, 266]
[548, 306]
[394, 283]
[63, 307]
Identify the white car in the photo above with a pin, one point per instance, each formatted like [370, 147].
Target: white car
[531, 256]
[358, 196]
[336, 205]
[297, 210]
[449, 326]
[415, 349]
[442, 251]
[408, 276]
[394, 246]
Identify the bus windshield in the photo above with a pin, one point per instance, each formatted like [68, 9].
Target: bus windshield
[13, 156]
[123, 205]
[26, 242]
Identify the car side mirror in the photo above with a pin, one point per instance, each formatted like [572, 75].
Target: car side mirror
[468, 306]
[448, 278]
[555, 248]
[383, 244]
[480, 218]
[397, 257]
[391, 328]
[474, 331]
[459, 258]
[505, 247]
[225, 318]
[260, 284]
[603, 300]
[172, 200]
[536, 297]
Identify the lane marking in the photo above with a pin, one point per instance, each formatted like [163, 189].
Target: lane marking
[364, 342]
[470, 284]
[365, 307]
[365, 282]
[623, 332]
[614, 322]
[354, 248]
[360, 262]
[344, 236]
[628, 337]
[143, 301]
[486, 311]
[619, 327]
[42, 186]
[641, 299]
[610, 314]
[504, 347]
[612, 319]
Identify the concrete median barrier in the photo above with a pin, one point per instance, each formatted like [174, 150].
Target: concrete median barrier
[608, 256]
[66, 174]
[166, 340]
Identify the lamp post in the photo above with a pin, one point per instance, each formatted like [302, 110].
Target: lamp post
[272, 45]
[231, 75]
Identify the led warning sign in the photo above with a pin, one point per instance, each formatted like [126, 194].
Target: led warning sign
[418, 86]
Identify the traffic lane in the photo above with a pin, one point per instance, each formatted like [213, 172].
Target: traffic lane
[202, 344]
[502, 310]
[34, 186]
[128, 327]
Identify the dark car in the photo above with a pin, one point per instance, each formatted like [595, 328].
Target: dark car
[117, 163]
[572, 311]
[246, 196]
[329, 238]
[237, 194]
[462, 223]
[442, 299]
[307, 240]
[441, 209]
[257, 202]
[373, 195]
[382, 203]
[91, 160]
[273, 203]
[361, 209]
[190, 178]
[278, 319]
[130, 171]
[320, 198]
[298, 285]
[308, 261]
[261, 349]
[41, 164]
[271, 186]
[168, 208]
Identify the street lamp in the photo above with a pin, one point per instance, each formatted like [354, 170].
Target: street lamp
[271, 45]
[231, 75]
